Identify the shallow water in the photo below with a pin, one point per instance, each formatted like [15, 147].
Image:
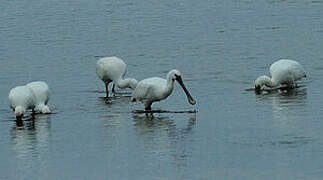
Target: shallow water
[220, 47]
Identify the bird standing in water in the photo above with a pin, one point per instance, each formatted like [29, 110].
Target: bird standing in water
[156, 89]
[113, 69]
[283, 72]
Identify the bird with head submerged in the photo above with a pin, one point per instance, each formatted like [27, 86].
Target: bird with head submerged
[41, 92]
[21, 98]
[283, 72]
[113, 69]
[156, 89]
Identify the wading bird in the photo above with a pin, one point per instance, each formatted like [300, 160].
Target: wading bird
[155, 89]
[113, 69]
[283, 72]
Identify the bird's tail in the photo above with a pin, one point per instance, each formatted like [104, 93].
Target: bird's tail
[44, 109]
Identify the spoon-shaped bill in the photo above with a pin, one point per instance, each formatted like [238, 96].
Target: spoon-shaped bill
[18, 118]
[258, 89]
[188, 95]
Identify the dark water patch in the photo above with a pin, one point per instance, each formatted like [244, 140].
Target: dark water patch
[285, 92]
[118, 92]
[99, 56]
[163, 111]
[150, 123]
[270, 28]
[291, 142]
[109, 115]
[316, 2]
[162, 121]
[283, 89]
[318, 68]
[117, 112]
[285, 141]
[115, 99]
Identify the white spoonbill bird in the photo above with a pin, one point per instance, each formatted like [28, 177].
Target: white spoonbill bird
[155, 89]
[283, 72]
[41, 92]
[21, 98]
[113, 69]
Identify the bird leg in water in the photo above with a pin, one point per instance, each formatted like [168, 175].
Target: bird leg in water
[113, 89]
[149, 115]
[107, 90]
[148, 107]
[294, 83]
[19, 123]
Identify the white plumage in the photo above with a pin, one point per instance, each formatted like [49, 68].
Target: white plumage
[41, 91]
[283, 71]
[113, 69]
[155, 89]
[21, 98]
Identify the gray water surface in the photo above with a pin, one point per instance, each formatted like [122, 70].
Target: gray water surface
[220, 47]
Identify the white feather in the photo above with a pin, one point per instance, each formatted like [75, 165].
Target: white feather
[42, 93]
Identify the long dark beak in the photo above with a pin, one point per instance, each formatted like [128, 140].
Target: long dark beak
[188, 95]
[19, 118]
[19, 123]
[257, 89]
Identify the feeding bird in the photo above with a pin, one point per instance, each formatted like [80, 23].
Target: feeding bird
[41, 92]
[156, 89]
[283, 72]
[21, 98]
[113, 69]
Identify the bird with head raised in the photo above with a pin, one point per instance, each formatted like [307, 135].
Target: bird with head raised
[156, 89]
[283, 72]
[41, 92]
[21, 98]
[113, 69]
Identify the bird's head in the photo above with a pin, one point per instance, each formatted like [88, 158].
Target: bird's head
[176, 75]
[19, 112]
[259, 83]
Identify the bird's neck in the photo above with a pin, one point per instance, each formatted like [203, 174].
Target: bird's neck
[126, 83]
[20, 110]
[268, 81]
[170, 85]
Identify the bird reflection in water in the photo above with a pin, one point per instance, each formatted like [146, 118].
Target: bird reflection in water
[285, 98]
[30, 140]
[162, 137]
[30, 123]
[288, 108]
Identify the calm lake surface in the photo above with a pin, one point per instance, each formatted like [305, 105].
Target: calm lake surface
[220, 47]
